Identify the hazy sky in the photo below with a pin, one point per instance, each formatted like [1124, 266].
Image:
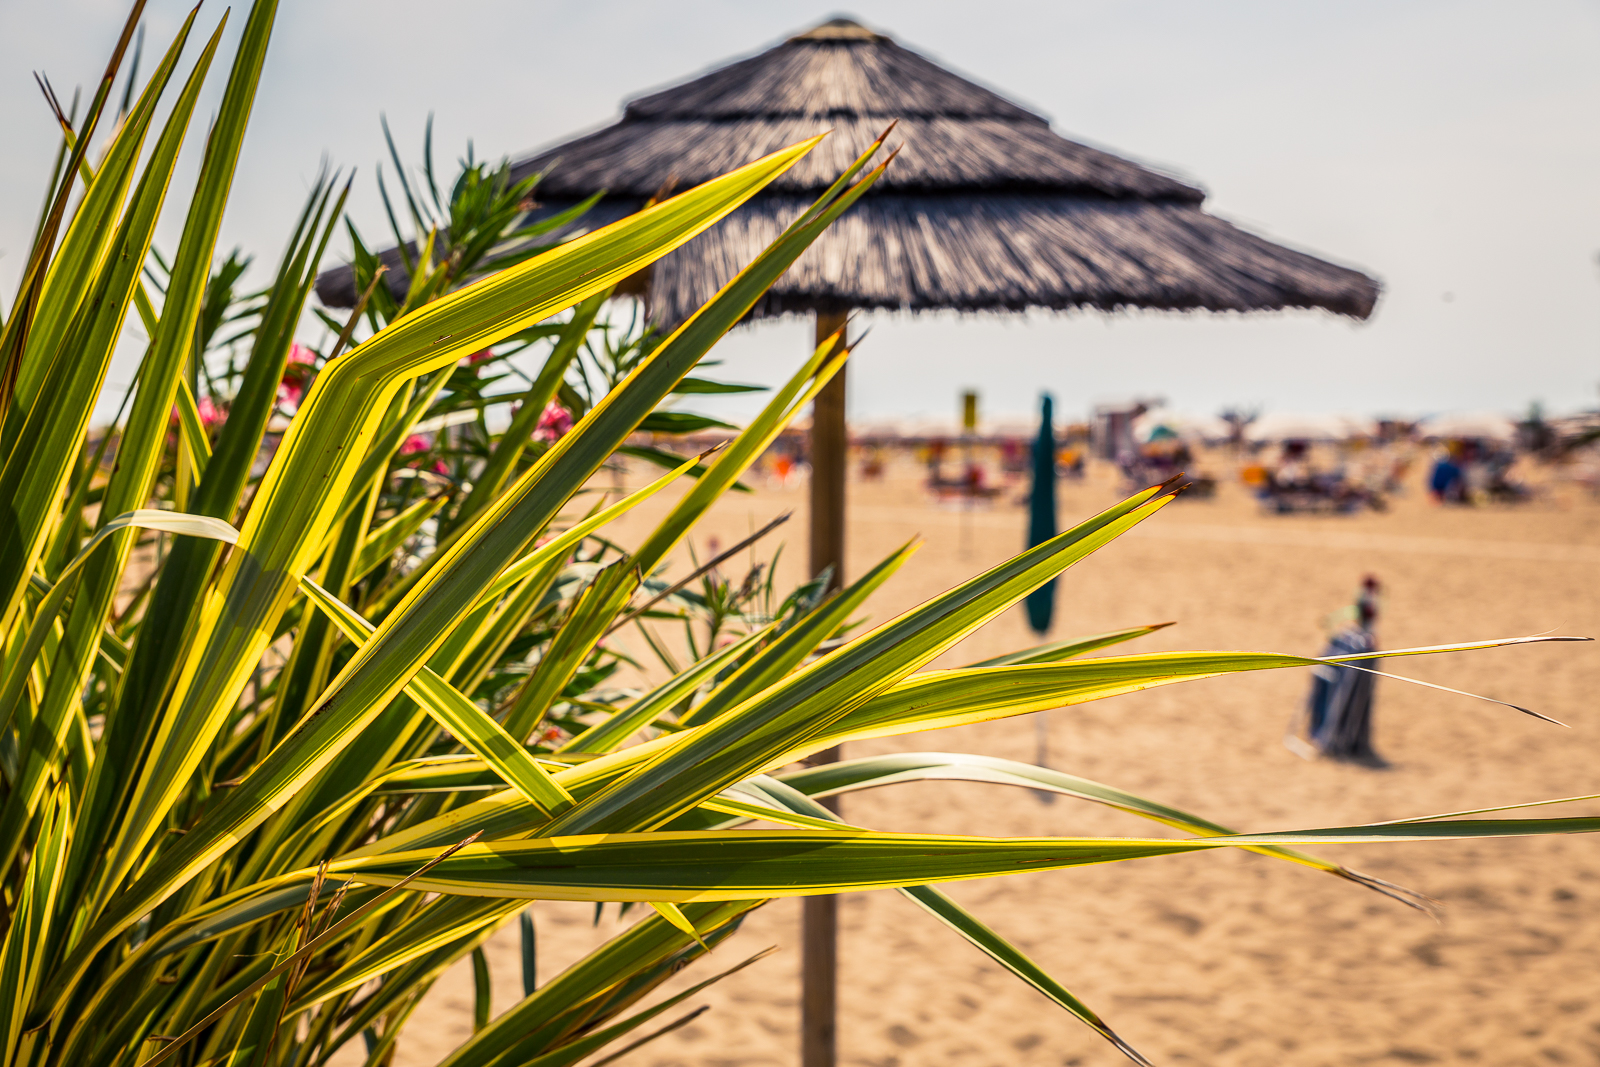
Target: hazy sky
[1450, 148]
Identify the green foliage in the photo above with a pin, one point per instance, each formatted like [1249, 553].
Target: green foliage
[304, 686]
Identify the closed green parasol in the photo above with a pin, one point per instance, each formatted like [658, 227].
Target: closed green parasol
[1041, 603]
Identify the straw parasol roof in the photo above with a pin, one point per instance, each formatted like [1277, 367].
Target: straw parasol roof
[986, 208]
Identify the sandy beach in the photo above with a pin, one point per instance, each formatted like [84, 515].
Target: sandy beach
[1225, 959]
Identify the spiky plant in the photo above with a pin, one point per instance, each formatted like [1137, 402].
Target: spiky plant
[341, 716]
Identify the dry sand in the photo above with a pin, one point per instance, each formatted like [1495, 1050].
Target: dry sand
[1211, 958]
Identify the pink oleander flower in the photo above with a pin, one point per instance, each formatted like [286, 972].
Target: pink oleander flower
[211, 416]
[297, 373]
[476, 358]
[414, 444]
[417, 445]
[553, 423]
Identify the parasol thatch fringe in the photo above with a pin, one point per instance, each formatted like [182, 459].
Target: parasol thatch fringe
[1010, 253]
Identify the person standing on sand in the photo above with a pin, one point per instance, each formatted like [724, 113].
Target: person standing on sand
[1447, 482]
[1340, 705]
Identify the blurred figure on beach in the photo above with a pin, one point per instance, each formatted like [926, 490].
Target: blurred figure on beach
[1500, 484]
[1339, 710]
[1295, 484]
[933, 459]
[1069, 461]
[787, 464]
[1294, 471]
[1447, 482]
[1475, 471]
[872, 463]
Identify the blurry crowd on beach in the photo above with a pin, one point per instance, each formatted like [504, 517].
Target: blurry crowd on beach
[1290, 464]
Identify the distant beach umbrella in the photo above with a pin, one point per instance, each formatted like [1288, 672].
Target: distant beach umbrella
[1041, 603]
[1468, 425]
[1161, 424]
[1287, 426]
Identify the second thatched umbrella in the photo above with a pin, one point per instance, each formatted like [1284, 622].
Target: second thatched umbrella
[986, 209]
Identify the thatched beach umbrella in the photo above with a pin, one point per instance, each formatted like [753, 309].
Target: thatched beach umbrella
[986, 209]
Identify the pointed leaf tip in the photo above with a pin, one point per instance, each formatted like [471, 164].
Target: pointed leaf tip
[1126, 1049]
[674, 915]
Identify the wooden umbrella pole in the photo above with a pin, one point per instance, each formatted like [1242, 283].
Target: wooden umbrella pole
[829, 463]
[819, 916]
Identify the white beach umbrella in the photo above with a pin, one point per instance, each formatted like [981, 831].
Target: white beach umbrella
[1359, 426]
[930, 427]
[879, 430]
[1287, 426]
[1473, 425]
[1016, 427]
[1163, 422]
